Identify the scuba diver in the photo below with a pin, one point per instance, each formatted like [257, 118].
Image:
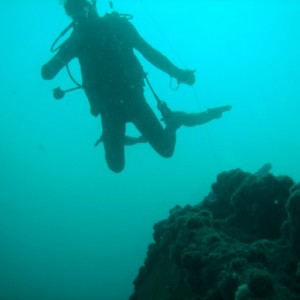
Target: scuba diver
[113, 81]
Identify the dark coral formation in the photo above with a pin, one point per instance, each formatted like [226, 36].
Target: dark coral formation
[241, 242]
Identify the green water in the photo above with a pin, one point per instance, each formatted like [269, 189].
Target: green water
[69, 227]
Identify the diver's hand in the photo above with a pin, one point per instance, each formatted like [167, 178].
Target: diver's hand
[186, 76]
[217, 112]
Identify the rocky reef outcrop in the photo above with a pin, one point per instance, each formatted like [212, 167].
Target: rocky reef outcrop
[241, 242]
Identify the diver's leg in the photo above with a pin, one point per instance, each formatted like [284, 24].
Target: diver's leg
[162, 140]
[128, 140]
[113, 142]
[176, 119]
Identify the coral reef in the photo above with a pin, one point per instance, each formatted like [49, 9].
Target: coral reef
[241, 242]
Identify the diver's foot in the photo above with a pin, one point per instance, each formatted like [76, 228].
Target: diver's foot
[217, 112]
[99, 141]
[176, 119]
[128, 140]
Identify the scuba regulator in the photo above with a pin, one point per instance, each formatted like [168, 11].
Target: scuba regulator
[58, 93]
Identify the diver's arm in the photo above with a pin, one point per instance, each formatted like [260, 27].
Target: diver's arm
[59, 60]
[160, 61]
[52, 67]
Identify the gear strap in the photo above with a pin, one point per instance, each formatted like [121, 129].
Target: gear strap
[161, 105]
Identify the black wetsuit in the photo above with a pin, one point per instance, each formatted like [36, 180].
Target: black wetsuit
[113, 80]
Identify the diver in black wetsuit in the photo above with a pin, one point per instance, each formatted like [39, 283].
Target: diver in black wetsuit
[113, 80]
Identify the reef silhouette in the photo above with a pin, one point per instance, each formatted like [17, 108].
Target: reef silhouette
[241, 242]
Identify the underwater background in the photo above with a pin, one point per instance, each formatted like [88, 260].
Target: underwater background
[72, 229]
